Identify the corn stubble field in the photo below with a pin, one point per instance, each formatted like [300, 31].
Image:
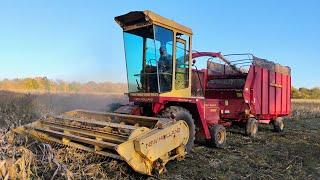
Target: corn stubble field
[293, 154]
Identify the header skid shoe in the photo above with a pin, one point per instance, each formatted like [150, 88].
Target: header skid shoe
[134, 139]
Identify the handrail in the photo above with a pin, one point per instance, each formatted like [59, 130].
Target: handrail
[142, 74]
[215, 55]
[238, 64]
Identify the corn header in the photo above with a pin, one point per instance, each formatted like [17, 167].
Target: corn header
[145, 143]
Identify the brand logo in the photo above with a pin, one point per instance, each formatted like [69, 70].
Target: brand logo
[171, 134]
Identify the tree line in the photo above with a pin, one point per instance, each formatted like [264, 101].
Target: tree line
[305, 93]
[43, 84]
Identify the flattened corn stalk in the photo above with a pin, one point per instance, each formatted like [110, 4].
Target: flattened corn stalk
[25, 159]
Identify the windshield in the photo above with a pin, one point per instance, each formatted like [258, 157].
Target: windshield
[149, 59]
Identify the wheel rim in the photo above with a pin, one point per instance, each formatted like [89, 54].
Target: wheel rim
[281, 125]
[221, 137]
[254, 129]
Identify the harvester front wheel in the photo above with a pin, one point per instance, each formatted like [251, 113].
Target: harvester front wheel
[278, 124]
[181, 113]
[252, 127]
[218, 136]
[113, 106]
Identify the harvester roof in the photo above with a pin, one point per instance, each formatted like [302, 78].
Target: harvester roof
[135, 19]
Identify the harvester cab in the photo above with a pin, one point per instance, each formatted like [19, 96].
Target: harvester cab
[157, 55]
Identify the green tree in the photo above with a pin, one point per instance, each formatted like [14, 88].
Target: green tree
[75, 87]
[31, 84]
[44, 83]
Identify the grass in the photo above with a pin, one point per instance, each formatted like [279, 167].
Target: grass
[292, 154]
[306, 108]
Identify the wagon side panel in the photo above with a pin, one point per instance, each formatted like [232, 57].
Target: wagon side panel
[278, 99]
[257, 88]
[272, 93]
[284, 91]
[265, 91]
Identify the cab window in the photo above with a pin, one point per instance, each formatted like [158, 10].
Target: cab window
[182, 62]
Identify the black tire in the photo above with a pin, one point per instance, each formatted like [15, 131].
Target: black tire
[181, 113]
[278, 124]
[252, 127]
[218, 136]
[113, 106]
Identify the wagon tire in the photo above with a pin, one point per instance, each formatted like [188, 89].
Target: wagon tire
[218, 136]
[252, 127]
[278, 124]
[181, 113]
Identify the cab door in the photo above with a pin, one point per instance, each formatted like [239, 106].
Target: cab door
[181, 68]
[182, 65]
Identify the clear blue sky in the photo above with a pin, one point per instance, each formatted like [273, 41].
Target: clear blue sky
[79, 40]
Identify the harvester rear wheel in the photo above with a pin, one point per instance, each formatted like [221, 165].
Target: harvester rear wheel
[218, 136]
[252, 127]
[278, 124]
[181, 113]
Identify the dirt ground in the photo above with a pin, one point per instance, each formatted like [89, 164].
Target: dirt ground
[292, 154]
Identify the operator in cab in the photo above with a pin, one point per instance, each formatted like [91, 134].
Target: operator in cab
[165, 69]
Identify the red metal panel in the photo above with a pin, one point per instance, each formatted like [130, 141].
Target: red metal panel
[272, 93]
[257, 90]
[232, 108]
[212, 111]
[289, 95]
[247, 86]
[201, 110]
[265, 91]
[264, 121]
[278, 93]
[284, 94]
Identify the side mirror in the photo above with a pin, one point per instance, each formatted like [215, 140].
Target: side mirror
[193, 62]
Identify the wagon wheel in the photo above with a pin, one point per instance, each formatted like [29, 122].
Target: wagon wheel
[252, 127]
[218, 136]
[278, 124]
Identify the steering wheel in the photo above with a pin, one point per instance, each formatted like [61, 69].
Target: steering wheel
[149, 62]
